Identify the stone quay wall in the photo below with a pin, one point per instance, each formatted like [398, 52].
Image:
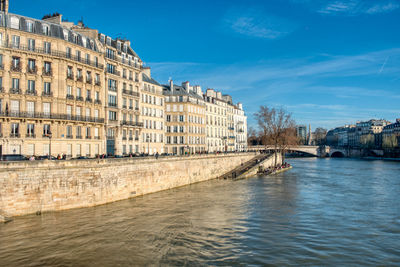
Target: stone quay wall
[41, 186]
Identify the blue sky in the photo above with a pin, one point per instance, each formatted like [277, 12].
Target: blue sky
[328, 62]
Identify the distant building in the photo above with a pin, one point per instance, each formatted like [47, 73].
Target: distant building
[301, 131]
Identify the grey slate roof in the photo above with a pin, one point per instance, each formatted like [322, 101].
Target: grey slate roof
[147, 79]
[56, 30]
[179, 91]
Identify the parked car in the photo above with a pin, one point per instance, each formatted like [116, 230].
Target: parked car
[13, 157]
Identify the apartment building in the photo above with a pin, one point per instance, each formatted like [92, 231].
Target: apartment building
[51, 97]
[216, 121]
[185, 122]
[152, 105]
[240, 125]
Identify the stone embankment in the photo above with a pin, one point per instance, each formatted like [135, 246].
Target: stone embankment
[42, 186]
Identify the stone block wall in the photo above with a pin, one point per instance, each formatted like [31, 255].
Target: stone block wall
[41, 186]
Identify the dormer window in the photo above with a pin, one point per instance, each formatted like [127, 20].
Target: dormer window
[29, 26]
[65, 35]
[15, 22]
[125, 48]
[46, 30]
[83, 41]
[119, 45]
[108, 40]
[102, 38]
[75, 38]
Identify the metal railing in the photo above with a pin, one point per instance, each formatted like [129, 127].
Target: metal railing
[130, 92]
[54, 53]
[53, 116]
[131, 123]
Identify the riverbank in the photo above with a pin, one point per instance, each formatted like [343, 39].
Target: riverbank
[43, 186]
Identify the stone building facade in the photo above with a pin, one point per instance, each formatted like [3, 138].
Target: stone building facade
[152, 105]
[185, 121]
[51, 98]
[216, 121]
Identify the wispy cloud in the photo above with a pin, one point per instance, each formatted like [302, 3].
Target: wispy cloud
[255, 23]
[351, 7]
[331, 89]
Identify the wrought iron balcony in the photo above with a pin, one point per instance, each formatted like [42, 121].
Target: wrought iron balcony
[79, 78]
[15, 91]
[1, 89]
[54, 53]
[14, 135]
[124, 106]
[30, 135]
[70, 76]
[131, 123]
[97, 101]
[52, 116]
[69, 136]
[15, 67]
[30, 92]
[47, 72]
[47, 94]
[113, 105]
[70, 97]
[97, 83]
[79, 98]
[89, 81]
[79, 137]
[88, 99]
[31, 69]
[88, 137]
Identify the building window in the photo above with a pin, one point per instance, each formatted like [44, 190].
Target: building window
[68, 52]
[46, 30]
[31, 44]
[15, 83]
[30, 130]
[29, 26]
[47, 88]
[112, 115]
[15, 41]
[46, 130]
[47, 47]
[14, 23]
[31, 86]
[15, 130]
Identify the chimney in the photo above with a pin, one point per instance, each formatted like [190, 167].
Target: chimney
[55, 18]
[4, 6]
[147, 71]
[171, 84]
[219, 95]
[240, 106]
[186, 86]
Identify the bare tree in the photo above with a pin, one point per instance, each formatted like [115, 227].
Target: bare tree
[277, 128]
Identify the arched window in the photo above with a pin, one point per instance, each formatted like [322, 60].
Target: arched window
[14, 22]
[46, 29]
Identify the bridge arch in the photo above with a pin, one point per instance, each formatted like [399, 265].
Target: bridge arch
[337, 154]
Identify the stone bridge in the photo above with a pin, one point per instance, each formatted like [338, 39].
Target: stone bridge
[312, 150]
[317, 151]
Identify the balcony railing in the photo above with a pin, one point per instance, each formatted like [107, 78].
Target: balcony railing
[114, 89]
[79, 137]
[130, 138]
[14, 135]
[15, 67]
[69, 136]
[136, 138]
[53, 116]
[131, 123]
[79, 78]
[124, 138]
[88, 99]
[1, 66]
[97, 83]
[124, 106]
[30, 92]
[30, 135]
[15, 91]
[54, 53]
[1, 89]
[88, 137]
[115, 72]
[70, 97]
[129, 92]
[79, 98]
[113, 105]
[31, 70]
[89, 81]
[70, 76]
[47, 94]
[47, 72]
[97, 101]
[97, 137]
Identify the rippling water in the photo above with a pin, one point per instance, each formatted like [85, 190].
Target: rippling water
[322, 212]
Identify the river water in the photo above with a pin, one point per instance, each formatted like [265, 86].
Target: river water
[337, 212]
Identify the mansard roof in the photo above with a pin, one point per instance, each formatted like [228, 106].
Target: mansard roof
[55, 30]
[179, 91]
[147, 79]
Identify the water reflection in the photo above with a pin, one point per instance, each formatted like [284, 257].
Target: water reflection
[324, 211]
